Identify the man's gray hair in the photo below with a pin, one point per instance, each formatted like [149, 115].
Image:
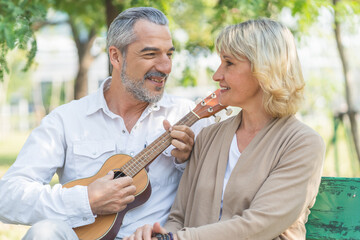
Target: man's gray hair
[121, 30]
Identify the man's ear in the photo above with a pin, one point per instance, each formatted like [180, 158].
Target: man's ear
[115, 57]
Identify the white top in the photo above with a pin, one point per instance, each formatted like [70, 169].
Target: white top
[234, 155]
[75, 140]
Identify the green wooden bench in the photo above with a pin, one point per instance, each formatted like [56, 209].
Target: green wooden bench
[336, 213]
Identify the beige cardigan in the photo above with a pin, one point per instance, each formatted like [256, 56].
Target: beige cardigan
[270, 190]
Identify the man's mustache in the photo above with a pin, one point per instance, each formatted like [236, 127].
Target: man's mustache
[155, 74]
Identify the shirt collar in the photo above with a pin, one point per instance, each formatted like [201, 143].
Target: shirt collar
[99, 98]
[100, 102]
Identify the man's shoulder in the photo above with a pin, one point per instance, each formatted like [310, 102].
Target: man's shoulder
[78, 107]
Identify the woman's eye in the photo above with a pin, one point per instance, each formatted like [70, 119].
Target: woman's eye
[228, 63]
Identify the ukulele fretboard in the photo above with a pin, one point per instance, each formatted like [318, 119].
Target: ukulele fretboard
[146, 156]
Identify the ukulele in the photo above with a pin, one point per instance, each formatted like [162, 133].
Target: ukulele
[107, 226]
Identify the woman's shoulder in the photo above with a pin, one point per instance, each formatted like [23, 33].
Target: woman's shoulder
[215, 128]
[296, 129]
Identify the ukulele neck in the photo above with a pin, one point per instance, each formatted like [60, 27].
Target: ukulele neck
[146, 156]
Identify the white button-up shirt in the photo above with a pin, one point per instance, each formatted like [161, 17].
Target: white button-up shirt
[74, 141]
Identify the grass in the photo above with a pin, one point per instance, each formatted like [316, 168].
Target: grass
[9, 148]
[12, 232]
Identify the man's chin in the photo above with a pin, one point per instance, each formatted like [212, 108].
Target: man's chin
[155, 97]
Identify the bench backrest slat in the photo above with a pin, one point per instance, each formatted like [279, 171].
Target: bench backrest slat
[336, 213]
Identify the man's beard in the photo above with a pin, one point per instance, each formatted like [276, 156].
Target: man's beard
[137, 86]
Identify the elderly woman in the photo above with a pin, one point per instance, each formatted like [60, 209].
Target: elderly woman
[255, 175]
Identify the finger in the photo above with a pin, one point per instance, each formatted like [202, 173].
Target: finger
[185, 129]
[167, 125]
[131, 237]
[182, 138]
[147, 232]
[186, 137]
[158, 229]
[126, 191]
[125, 195]
[123, 182]
[180, 155]
[109, 175]
[182, 146]
[138, 233]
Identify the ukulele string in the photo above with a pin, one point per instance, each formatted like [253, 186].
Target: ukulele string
[131, 169]
[154, 149]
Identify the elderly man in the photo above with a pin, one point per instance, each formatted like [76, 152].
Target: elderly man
[128, 112]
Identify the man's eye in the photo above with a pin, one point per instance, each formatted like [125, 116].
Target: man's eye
[150, 54]
[170, 54]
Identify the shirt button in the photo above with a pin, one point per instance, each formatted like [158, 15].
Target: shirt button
[123, 131]
[84, 219]
[94, 153]
[132, 154]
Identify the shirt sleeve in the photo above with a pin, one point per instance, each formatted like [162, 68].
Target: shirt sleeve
[25, 194]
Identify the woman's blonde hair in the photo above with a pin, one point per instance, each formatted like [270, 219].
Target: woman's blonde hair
[270, 48]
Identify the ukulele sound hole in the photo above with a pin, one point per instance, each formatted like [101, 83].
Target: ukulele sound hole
[118, 174]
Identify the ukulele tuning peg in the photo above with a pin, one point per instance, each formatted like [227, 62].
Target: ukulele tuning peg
[217, 118]
[228, 111]
[213, 95]
[198, 100]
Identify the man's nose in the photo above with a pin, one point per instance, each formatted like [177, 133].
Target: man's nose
[164, 64]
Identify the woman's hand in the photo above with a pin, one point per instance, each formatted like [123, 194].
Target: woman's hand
[147, 232]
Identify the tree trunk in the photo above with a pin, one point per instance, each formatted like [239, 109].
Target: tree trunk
[85, 59]
[350, 112]
[111, 13]
[40, 111]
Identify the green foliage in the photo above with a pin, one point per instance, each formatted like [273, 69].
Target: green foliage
[20, 81]
[346, 10]
[188, 78]
[201, 19]
[193, 17]
[162, 5]
[16, 18]
[86, 13]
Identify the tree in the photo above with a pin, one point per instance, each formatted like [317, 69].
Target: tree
[16, 20]
[87, 20]
[306, 13]
[341, 10]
